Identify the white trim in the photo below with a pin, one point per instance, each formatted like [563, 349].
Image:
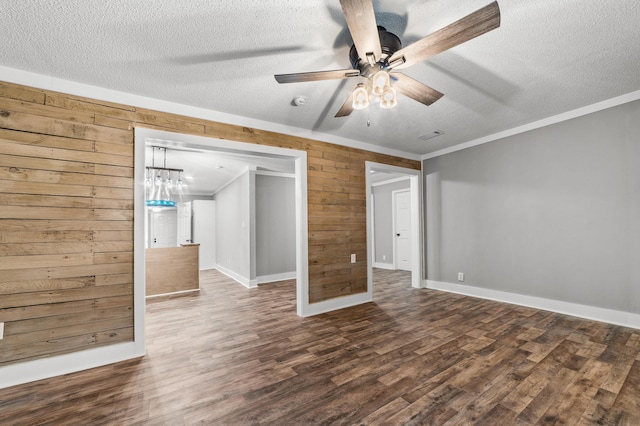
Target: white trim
[388, 266]
[625, 319]
[39, 369]
[418, 270]
[338, 303]
[275, 174]
[579, 112]
[300, 159]
[415, 185]
[248, 283]
[139, 245]
[40, 81]
[30, 371]
[264, 279]
[173, 293]
[196, 193]
[389, 181]
[302, 237]
[372, 199]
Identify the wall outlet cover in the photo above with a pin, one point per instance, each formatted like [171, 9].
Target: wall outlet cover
[460, 276]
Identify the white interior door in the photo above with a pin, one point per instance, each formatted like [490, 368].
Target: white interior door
[402, 229]
[163, 229]
[184, 223]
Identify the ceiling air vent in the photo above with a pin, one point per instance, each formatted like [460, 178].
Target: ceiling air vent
[431, 135]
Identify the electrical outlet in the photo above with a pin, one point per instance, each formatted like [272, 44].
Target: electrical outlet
[460, 276]
[384, 257]
[353, 258]
[1, 330]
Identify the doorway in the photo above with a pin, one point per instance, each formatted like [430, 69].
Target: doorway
[145, 136]
[402, 235]
[413, 244]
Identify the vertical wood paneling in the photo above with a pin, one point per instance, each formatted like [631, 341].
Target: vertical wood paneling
[66, 214]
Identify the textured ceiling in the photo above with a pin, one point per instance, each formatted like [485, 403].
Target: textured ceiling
[548, 57]
[208, 170]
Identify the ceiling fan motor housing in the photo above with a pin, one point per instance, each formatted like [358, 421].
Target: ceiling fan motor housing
[389, 42]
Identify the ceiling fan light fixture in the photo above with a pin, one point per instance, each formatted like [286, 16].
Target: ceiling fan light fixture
[360, 98]
[389, 99]
[376, 52]
[380, 83]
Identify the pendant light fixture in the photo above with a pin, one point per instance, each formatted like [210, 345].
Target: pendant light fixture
[160, 187]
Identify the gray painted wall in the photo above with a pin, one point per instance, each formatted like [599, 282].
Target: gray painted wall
[275, 225]
[552, 213]
[383, 219]
[233, 226]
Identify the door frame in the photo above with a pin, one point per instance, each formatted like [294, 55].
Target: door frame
[393, 224]
[417, 243]
[208, 143]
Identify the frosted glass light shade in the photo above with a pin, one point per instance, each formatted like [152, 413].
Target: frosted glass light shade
[380, 83]
[360, 98]
[389, 99]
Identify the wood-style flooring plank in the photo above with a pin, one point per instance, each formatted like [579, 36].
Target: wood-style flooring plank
[229, 355]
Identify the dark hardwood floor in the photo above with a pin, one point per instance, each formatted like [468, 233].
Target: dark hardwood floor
[234, 356]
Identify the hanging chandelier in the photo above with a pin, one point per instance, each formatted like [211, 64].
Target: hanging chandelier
[162, 184]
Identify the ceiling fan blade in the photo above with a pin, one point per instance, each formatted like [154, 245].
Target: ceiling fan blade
[414, 89]
[363, 28]
[346, 108]
[477, 23]
[316, 76]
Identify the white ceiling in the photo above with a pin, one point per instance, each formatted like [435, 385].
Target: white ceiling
[208, 170]
[548, 57]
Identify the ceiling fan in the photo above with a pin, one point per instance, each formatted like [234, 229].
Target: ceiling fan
[376, 54]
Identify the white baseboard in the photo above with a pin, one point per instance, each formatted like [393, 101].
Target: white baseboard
[625, 319]
[39, 369]
[208, 268]
[173, 293]
[389, 266]
[237, 277]
[337, 303]
[264, 279]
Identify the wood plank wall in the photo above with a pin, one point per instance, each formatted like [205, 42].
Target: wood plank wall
[66, 216]
[172, 269]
